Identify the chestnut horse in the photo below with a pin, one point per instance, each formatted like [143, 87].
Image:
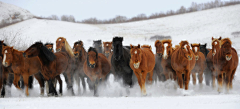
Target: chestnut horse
[63, 46]
[183, 62]
[107, 51]
[96, 67]
[166, 59]
[200, 64]
[53, 64]
[80, 57]
[158, 70]
[22, 67]
[142, 62]
[225, 63]
[98, 45]
[215, 48]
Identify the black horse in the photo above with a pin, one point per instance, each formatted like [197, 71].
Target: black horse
[207, 71]
[7, 77]
[98, 46]
[120, 62]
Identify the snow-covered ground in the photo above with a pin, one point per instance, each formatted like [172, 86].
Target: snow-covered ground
[196, 27]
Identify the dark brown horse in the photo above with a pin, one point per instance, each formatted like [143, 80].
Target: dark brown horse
[52, 64]
[22, 67]
[166, 59]
[96, 67]
[158, 70]
[215, 48]
[226, 63]
[142, 62]
[183, 62]
[200, 64]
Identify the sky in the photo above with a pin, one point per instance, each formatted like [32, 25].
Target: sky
[100, 9]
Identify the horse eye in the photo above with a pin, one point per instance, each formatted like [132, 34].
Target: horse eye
[169, 47]
[62, 42]
[182, 48]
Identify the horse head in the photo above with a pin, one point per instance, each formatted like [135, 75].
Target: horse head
[78, 49]
[215, 45]
[92, 57]
[226, 48]
[49, 46]
[196, 49]
[203, 49]
[7, 55]
[98, 45]
[167, 48]
[62, 45]
[107, 48]
[159, 48]
[185, 49]
[136, 55]
[117, 48]
[33, 50]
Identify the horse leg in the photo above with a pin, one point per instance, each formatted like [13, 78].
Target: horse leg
[194, 78]
[40, 80]
[83, 84]
[16, 79]
[69, 76]
[30, 82]
[200, 78]
[228, 79]
[139, 80]
[220, 82]
[232, 77]
[96, 88]
[150, 77]
[187, 79]
[207, 75]
[25, 80]
[143, 80]
[213, 80]
[4, 80]
[77, 78]
[180, 79]
[60, 83]
[165, 73]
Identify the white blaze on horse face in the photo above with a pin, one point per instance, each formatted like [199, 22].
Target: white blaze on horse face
[107, 44]
[215, 43]
[185, 46]
[4, 57]
[196, 48]
[59, 40]
[135, 52]
[165, 50]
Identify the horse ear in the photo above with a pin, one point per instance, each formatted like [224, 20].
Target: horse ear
[199, 44]
[104, 43]
[205, 44]
[138, 45]
[121, 38]
[191, 45]
[220, 38]
[212, 38]
[131, 46]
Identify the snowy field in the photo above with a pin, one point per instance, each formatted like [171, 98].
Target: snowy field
[196, 27]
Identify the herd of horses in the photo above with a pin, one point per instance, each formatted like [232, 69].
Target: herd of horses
[129, 64]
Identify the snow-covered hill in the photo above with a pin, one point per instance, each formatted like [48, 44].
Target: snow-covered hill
[196, 27]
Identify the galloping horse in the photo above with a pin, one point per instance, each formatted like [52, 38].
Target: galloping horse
[96, 67]
[80, 57]
[22, 67]
[225, 63]
[98, 45]
[142, 62]
[166, 61]
[215, 48]
[108, 53]
[52, 64]
[63, 46]
[183, 62]
[158, 70]
[120, 61]
[200, 64]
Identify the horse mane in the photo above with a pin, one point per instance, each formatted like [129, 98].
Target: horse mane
[117, 39]
[183, 43]
[176, 47]
[79, 42]
[48, 54]
[157, 41]
[225, 40]
[167, 41]
[48, 43]
[195, 44]
[146, 46]
[67, 47]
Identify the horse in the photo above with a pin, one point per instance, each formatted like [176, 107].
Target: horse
[53, 64]
[200, 64]
[63, 46]
[158, 70]
[183, 62]
[98, 45]
[166, 59]
[120, 62]
[80, 57]
[107, 51]
[96, 67]
[226, 63]
[49, 45]
[210, 62]
[22, 67]
[142, 62]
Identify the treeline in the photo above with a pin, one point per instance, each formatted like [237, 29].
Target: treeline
[122, 19]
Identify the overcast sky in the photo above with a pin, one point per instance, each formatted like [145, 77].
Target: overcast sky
[100, 9]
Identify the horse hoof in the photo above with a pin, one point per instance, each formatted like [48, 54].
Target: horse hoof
[56, 95]
[60, 94]
[49, 94]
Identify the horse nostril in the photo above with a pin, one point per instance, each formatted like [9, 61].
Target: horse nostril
[76, 54]
[189, 57]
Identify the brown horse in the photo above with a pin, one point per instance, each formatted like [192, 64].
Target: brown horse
[52, 64]
[96, 67]
[158, 70]
[80, 57]
[63, 46]
[107, 51]
[200, 64]
[215, 48]
[183, 62]
[226, 63]
[22, 67]
[166, 59]
[142, 62]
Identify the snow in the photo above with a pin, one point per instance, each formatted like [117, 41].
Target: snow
[197, 27]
